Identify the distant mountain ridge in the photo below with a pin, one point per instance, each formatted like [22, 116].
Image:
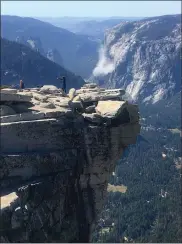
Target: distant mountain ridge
[94, 27]
[21, 62]
[143, 57]
[77, 53]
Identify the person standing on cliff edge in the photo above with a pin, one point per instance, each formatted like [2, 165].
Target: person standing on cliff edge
[22, 86]
[63, 80]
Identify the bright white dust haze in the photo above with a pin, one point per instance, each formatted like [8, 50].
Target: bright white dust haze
[104, 65]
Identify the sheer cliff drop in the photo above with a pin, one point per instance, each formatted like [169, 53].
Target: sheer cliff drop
[58, 161]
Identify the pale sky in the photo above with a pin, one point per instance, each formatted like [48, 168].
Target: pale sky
[90, 8]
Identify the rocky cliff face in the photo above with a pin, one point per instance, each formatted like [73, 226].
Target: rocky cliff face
[143, 57]
[57, 153]
[36, 45]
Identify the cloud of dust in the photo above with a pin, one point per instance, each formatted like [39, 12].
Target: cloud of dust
[104, 65]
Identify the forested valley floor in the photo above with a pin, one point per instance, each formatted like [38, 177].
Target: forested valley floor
[149, 207]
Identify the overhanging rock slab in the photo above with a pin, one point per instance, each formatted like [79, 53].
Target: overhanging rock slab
[58, 160]
[110, 109]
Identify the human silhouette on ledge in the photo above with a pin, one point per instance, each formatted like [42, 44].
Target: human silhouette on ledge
[22, 85]
[63, 80]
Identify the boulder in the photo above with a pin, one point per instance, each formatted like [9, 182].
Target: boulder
[111, 108]
[72, 93]
[49, 89]
[6, 110]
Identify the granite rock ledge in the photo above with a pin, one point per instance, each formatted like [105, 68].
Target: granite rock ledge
[57, 153]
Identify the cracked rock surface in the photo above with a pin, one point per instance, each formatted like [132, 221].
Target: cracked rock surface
[57, 154]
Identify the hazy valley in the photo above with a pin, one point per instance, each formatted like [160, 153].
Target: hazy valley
[72, 50]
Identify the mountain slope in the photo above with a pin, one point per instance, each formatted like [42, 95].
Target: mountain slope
[78, 52]
[21, 62]
[143, 57]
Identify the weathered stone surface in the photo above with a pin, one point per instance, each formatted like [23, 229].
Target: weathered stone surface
[6, 110]
[31, 116]
[77, 98]
[8, 91]
[90, 85]
[21, 107]
[100, 96]
[58, 112]
[133, 112]
[72, 93]
[90, 109]
[94, 117]
[22, 117]
[58, 161]
[76, 104]
[60, 101]
[8, 200]
[86, 90]
[49, 89]
[47, 105]
[40, 97]
[10, 118]
[35, 89]
[6, 97]
[110, 108]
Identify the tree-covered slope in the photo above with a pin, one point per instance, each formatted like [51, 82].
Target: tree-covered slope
[150, 209]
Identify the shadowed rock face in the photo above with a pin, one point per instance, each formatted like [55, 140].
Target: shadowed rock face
[56, 162]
